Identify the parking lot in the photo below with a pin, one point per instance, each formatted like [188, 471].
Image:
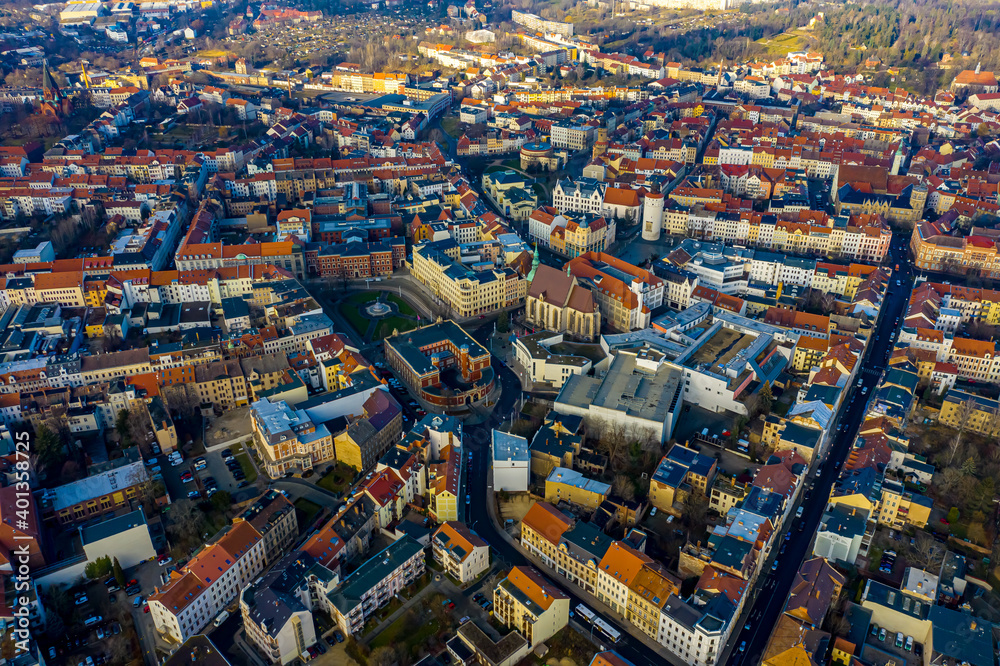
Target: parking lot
[216, 468]
[886, 650]
[117, 613]
[412, 410]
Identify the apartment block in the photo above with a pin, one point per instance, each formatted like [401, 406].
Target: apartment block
[375, 583]
[277, 609]
[462, 553]
[195, 595]
[529, 603]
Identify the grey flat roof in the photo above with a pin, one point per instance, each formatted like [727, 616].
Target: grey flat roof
[112, 526]
[625, 388]
[510, 447]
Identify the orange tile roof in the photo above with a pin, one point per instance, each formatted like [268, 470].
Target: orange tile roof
[547, 521]
[622, 562]
[617, 196]
[813, 343]
[179, 591]
[969, 347]
[535, 586]
[45, 281]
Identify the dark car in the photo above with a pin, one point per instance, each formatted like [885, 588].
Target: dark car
[339, 636]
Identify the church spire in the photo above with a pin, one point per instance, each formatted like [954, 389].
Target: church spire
[534, 264]
[50, 91]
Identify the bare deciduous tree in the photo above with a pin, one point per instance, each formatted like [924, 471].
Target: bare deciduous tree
[962, 416]
[623, 487]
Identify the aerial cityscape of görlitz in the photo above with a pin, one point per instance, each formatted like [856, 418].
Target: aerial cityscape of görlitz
[504, 333]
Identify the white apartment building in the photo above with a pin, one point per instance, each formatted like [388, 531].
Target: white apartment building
[585, 195]
[511, 462]
[573, 137]
[207, 584]
[277, 610]
[696, 635]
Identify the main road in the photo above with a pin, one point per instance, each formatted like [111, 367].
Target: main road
[773, 586]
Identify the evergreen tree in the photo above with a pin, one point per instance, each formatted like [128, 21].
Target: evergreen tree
[119, 573]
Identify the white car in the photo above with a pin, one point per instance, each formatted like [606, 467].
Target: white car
[176, 462]
[81, 600]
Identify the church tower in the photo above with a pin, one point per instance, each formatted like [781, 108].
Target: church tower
[52, 94]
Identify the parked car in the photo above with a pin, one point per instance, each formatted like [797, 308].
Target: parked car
[138, 601]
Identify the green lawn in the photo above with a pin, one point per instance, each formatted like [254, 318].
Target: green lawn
[513, 164]
[494, 168]
[349, 311]
[308, 508]
[386, 326]
[450, 126]
[403, 307]
[539, 190]
[363, 297]
[391, 635]
[783, 43]
[338, 480]
[244, 459]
